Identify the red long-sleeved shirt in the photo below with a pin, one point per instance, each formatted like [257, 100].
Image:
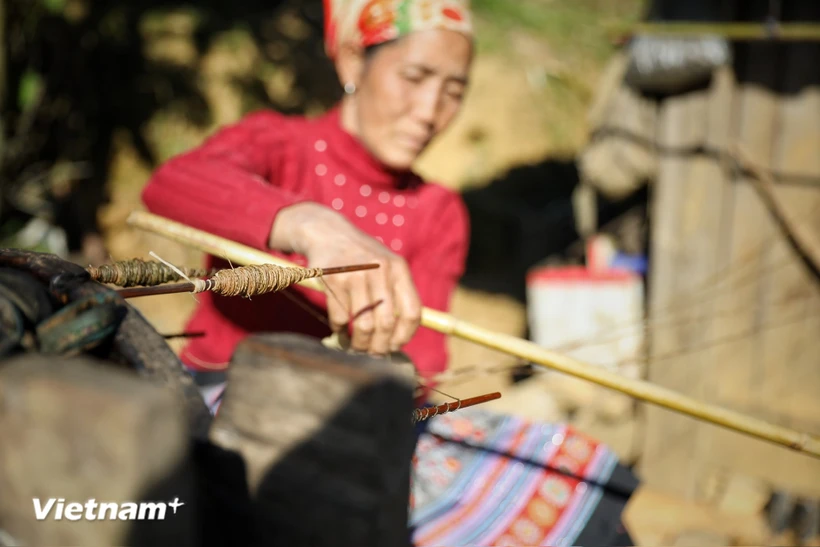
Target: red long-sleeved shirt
[238, 180]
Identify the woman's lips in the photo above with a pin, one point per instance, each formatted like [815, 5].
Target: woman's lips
[414, 143]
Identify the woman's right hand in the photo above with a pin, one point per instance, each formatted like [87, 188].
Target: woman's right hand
[327, 239]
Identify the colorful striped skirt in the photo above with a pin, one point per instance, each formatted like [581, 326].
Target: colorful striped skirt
[481, 478]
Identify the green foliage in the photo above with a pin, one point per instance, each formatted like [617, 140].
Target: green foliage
[577, 27]
[155, 21]
[54, 6]
[31, 86]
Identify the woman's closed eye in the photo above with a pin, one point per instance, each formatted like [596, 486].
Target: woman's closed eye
[455, 90]
[414, 75]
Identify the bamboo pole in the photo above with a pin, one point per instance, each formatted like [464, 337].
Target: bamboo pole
[3, 82]
[523, 349]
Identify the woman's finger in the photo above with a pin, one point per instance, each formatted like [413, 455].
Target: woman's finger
[384, 314]
[338, 305]
[364, 325]
[407, 305]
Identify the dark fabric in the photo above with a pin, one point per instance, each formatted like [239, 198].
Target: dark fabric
[207, 379]
[224, 508]
[605, 526]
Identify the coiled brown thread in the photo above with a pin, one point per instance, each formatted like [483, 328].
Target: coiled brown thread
[141, 273]
[253, 280]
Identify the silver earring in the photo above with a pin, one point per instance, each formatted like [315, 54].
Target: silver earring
[350, 88]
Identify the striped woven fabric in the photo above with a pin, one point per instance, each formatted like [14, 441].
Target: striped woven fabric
[482, 478]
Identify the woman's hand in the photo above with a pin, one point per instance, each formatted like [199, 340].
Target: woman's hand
[328, 239]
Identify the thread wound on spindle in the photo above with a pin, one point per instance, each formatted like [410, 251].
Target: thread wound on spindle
[254, 280]
[421, 414]
[141, 273]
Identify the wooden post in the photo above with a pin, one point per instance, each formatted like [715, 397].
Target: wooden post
[3, 81]
[78, 430]
[327, 440]
[771, 371]
[687, 208]
[753, 347]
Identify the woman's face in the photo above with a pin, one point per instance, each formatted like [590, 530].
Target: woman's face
[409, 91]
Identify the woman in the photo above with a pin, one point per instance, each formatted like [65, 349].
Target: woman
[340, 189]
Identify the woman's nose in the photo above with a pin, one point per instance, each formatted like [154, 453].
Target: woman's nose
[426, 104]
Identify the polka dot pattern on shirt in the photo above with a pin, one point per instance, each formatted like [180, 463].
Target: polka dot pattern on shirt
[384, 210]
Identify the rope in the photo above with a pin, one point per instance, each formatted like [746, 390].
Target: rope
[137, 272]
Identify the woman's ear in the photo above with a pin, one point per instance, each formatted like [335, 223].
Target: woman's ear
[350, 66]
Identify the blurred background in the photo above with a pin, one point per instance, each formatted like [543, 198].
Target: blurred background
[646, 202]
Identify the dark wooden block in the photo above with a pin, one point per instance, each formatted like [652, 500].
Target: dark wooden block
[327, 440]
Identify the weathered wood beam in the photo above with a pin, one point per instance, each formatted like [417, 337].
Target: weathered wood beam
[79, 430]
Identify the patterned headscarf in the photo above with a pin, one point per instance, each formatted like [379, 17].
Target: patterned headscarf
[372, 22]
